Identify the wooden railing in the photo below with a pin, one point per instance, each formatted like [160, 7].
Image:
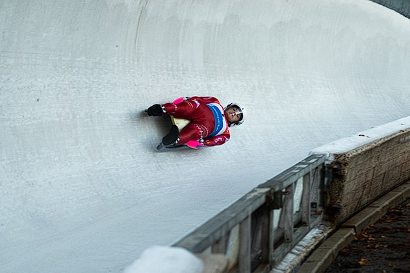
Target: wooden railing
[259, 229]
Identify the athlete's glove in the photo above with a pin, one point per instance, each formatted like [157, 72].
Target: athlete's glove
[193, 144]
[178, 100]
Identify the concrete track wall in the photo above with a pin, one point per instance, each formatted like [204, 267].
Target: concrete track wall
[361, 174]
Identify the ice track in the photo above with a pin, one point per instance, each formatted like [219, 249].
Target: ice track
[82, 188]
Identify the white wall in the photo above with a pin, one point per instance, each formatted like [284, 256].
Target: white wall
[82, 188]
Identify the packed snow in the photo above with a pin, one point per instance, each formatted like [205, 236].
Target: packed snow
[362, 138]
[163, 259]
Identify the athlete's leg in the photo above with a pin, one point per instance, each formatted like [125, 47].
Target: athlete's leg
[190, 132]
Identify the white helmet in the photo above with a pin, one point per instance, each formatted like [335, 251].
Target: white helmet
[241, 110]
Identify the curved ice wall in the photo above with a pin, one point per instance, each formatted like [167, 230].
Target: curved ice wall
[82, 187]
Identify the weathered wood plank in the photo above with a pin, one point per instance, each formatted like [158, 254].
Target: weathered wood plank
[245, 246]
[222, 223]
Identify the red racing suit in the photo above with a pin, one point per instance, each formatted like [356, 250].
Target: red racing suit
[208, 123]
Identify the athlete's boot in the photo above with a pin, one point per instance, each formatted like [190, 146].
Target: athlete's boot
[172, 136]
[155, 110]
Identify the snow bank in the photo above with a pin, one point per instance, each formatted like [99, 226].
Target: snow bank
[349, 143]
[161, 259]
